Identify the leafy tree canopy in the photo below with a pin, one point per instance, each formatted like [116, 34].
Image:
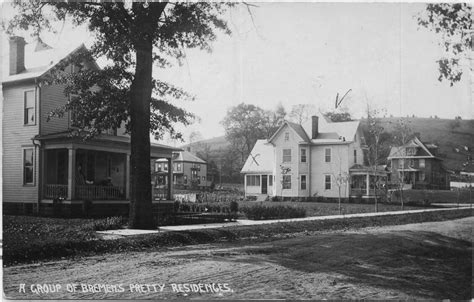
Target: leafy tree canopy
[244, 124]
[453, 21]
[338, 116]
[300, 113]
[119, 30]
[132, 36]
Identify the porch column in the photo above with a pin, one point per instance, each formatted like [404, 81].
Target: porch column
[127, 176]
[71, 173]
[170, 179]
[368, 184]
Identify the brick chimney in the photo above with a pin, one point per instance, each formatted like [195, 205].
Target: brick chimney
[17, 55]
[314, 126]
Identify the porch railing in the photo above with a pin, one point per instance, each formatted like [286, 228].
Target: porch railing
[100, 192]
[160, 193]
[54, 191]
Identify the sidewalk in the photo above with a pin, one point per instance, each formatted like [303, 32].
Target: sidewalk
[245, 222]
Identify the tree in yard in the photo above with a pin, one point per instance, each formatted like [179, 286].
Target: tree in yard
[453, 21]
[300, 113]
[244, 124]
[341, 178]
[402, 134]
[273, 120]
[133, 37]
[374, 140]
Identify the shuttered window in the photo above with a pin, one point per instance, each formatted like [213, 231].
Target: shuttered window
[327, 182]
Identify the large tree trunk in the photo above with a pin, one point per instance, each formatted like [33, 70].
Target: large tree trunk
[141, 216]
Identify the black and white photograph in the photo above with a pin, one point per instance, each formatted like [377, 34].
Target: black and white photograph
[277, 150]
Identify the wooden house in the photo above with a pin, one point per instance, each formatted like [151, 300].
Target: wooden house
[41, 161]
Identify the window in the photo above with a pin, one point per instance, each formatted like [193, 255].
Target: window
[203, 178]
[185, 178]
[165, 167]
[303, 155]
[422, 176]
[286, 181]
[355, 156]
[422, 163]
[28, 166]
[327, 182]
[327, 155]
[287, 136]
[158, 167]
[270, 180]
[400, 164]
[286, 155]
[303, 182]
[253, 180]
[178, 167]
[410, 151]
[29, 118]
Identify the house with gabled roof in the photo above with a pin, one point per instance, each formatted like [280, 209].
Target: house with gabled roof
[319, 158]
[189, 171]
[42, 161]
[417, 165]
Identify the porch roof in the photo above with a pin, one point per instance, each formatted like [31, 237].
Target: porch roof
[102, 142]
[360, 169]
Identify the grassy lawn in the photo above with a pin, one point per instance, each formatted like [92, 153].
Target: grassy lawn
[328, 208]
[438, 196]
[27, 239]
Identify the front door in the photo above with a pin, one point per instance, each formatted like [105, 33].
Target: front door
[264, 184]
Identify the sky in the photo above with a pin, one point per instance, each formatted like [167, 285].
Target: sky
[306, 53]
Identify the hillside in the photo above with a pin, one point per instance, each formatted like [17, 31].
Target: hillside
[437, 131]
[215, 143]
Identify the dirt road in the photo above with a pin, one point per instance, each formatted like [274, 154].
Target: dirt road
[429, 260]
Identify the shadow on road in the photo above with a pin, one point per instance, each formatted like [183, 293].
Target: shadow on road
[422, 264]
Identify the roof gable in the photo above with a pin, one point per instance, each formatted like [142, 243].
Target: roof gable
[38, 63]
[400, 151]
[261, 159]
[298, 129]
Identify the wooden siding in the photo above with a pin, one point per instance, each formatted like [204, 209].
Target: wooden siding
[52, 97]
[16, 137]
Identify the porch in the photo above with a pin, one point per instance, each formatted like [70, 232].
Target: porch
[366, 182]
[97, 170]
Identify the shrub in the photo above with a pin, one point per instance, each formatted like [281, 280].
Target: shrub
[234, 206]
[259, 212]
[275, 198]
[109, 223]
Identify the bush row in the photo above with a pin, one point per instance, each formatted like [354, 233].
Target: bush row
[260, 212]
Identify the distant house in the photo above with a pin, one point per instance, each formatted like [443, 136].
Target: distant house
[417, 166]
[41, 160]
[189, 171]
[319, 158]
